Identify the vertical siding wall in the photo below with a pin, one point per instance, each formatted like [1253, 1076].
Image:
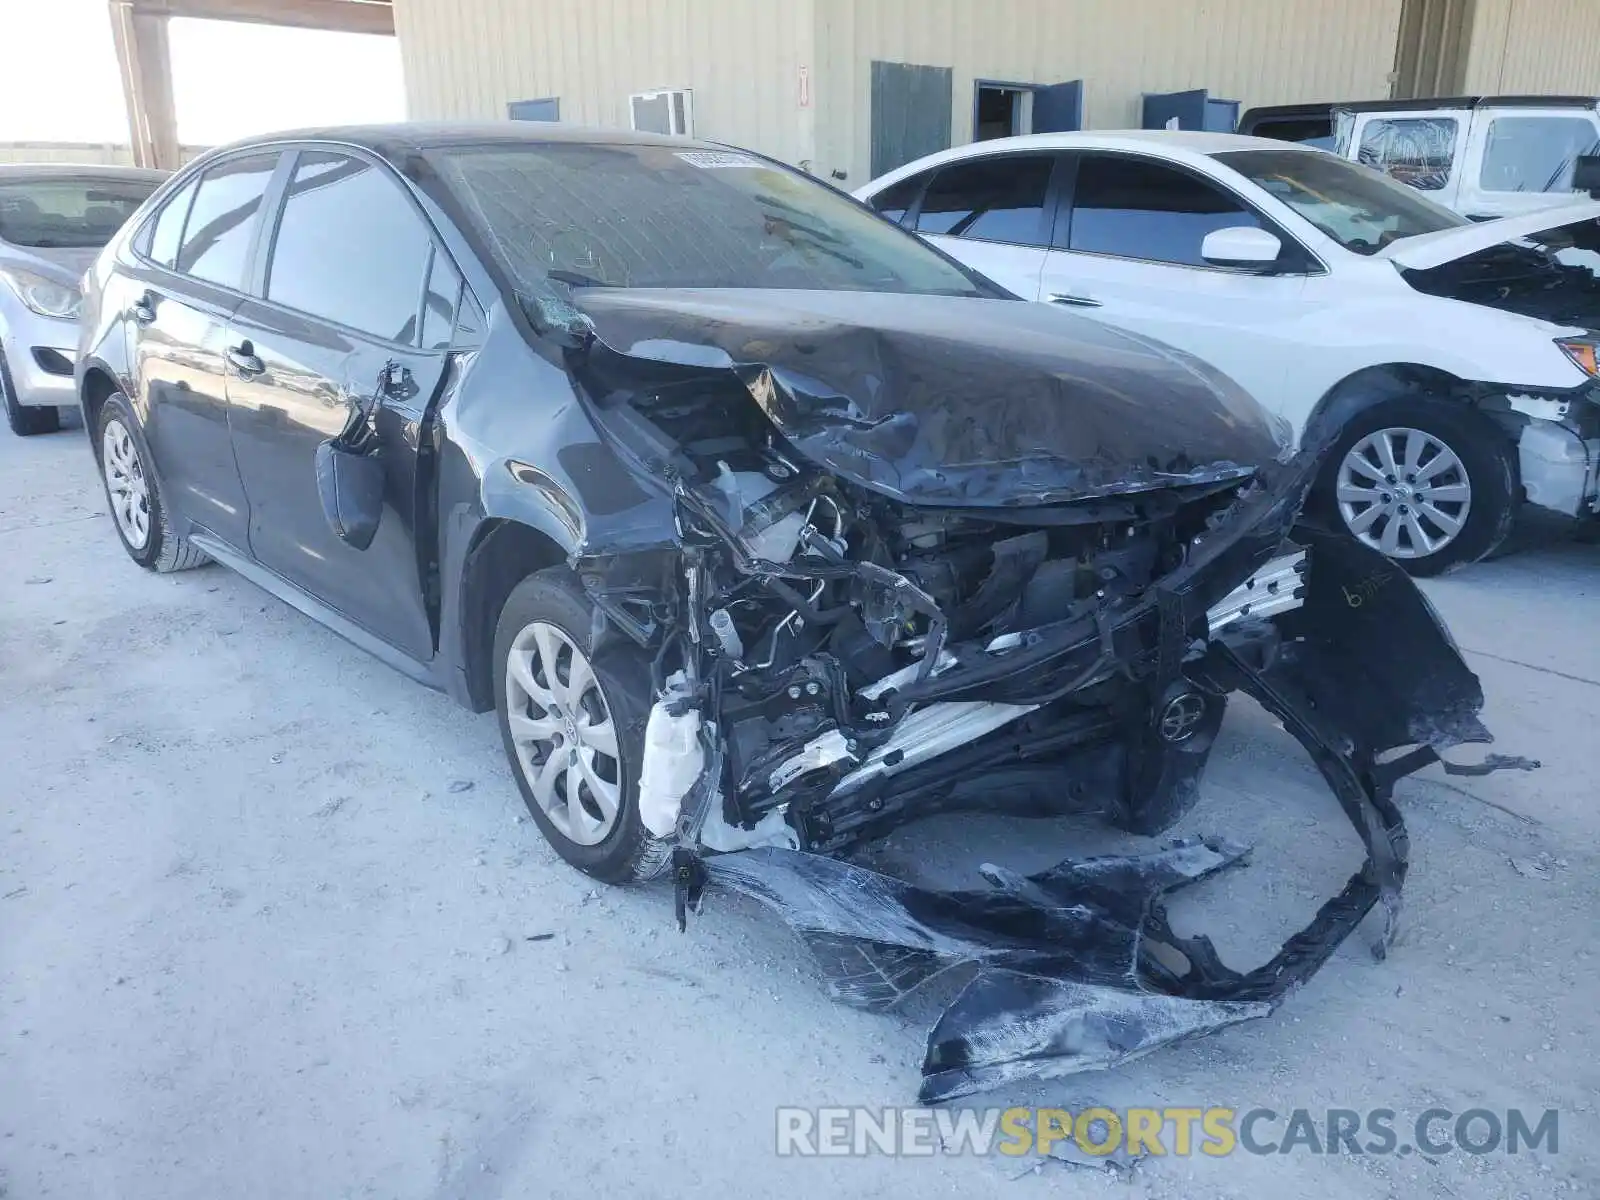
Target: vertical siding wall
[1254, 51]
[1535, 46]
[66, 152]
[98, 153]
[468, 58]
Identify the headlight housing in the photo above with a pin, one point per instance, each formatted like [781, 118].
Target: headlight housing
[44, 296]
[1583, 352]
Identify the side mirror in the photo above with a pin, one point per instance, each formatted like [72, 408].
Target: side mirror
[350, 486]
[1241, 246]
[1586, 175]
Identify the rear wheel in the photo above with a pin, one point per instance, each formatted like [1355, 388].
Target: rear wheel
[572, 721]
[25, 420]
[1427, 482]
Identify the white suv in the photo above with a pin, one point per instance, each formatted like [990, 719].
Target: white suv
[1448, 367]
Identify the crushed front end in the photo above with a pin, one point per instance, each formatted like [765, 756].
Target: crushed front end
[845, 640]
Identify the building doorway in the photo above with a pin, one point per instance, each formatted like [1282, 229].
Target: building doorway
[1002, 110]
[1006, 109]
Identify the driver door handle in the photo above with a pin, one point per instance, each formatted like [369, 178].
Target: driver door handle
[1074, 301]
[242, 358]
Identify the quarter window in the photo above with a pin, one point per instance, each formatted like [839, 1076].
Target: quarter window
[168, 227]
[222, 222]
[350, 248]
[998, 199]
[1417, 151]
[1534, 154]
[439, 304]
[895, 201]
[1136, 208]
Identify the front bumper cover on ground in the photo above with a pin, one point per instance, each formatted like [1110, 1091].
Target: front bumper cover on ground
[1075, 965]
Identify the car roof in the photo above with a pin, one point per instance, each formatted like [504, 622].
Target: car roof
[1419, 103]
[1179, 145]
[400, 138]
[17, 172]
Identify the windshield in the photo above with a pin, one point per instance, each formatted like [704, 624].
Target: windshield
[1361, 209]
[647, 216]
[67, 213]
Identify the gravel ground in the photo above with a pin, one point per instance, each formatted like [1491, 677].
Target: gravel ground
[273, 923]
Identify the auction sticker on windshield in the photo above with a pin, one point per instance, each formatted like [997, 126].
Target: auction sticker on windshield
[711, 159]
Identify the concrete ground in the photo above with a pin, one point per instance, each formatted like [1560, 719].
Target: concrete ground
[273, 923]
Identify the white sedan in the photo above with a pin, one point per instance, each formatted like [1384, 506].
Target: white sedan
[1449, 367]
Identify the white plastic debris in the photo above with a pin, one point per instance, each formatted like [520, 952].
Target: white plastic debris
[673, 759]
[722, 627]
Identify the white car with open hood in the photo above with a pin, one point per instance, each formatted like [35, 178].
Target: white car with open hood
[1448, 366]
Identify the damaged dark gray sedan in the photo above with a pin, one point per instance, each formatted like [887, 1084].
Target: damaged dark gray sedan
[766, 528]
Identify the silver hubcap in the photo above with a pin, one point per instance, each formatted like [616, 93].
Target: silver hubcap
[1404, 492]
[565, 739]
[126, 484]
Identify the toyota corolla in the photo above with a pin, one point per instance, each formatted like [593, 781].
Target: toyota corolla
[766, 528]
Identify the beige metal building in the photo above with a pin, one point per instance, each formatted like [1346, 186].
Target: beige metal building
[851, 87]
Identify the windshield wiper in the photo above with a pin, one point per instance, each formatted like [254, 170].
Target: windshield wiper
[805, 237]
[578, 278]
[774, 202]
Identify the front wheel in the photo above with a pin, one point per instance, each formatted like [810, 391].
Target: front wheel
[25, 420]
[572, 721]
[1427, 482]
[137, 506]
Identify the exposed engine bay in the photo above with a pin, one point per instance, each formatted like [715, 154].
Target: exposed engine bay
[816, 612]
[832, 658]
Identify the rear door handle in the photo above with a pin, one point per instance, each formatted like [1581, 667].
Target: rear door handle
[243, 360]
[1075, 301]
[144, 309]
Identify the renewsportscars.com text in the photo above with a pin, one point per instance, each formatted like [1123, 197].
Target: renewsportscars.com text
[1215, 1132]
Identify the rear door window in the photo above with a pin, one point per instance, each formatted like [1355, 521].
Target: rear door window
[222, 222]
[999, 199]
[350, 248]
[1417, 151]
[1139, 208]
[1534, 154]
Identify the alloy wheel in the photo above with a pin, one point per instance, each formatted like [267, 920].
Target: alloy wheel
[563, 733]
[1403, 492]
[126, 484]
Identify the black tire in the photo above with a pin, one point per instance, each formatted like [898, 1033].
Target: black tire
[25, 420]
[163, 550]
[628, 854]
[1487, 460]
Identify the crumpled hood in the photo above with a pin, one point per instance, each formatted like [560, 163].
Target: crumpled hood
[1427, 250]
[953, 400]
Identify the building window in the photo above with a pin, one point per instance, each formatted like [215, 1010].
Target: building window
[547, 108]
[669, 112]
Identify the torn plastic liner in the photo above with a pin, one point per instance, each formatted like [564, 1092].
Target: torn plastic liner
[1416, 151]
[1058, 986]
